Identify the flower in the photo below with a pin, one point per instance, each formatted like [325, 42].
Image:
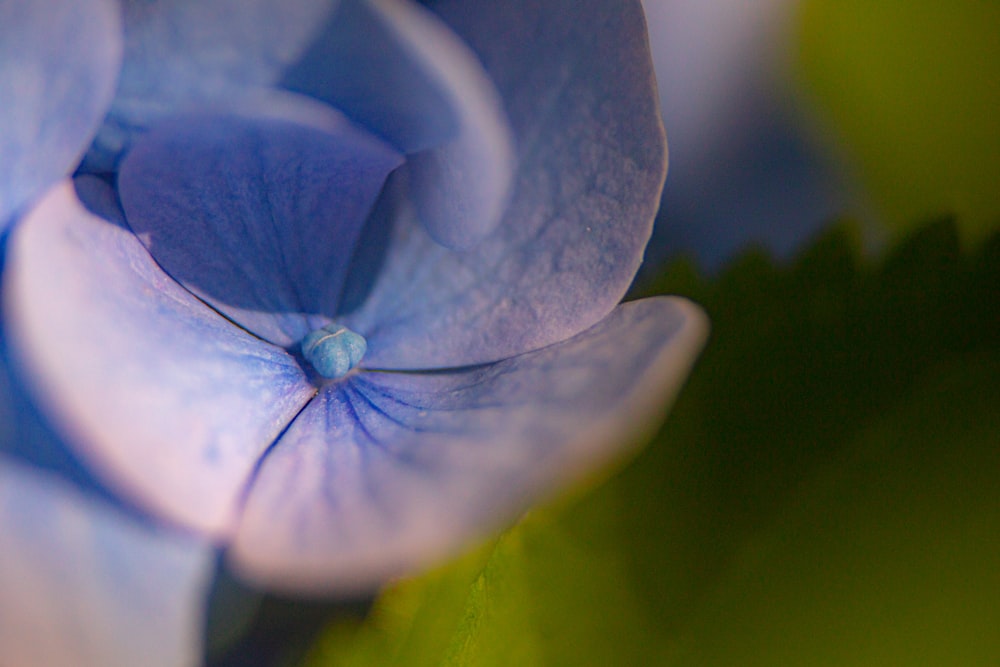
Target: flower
[52, 104]
[749, 165]
[462, 193]
[85, 584]
[83, 581]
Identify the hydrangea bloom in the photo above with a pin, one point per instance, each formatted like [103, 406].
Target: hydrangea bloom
[748, 166]
[465, 187]
[83, 581]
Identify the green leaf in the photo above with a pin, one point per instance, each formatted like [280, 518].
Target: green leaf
[887, 555]
[912, 88]
[823, 493]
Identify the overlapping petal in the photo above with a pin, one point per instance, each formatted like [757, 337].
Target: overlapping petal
[390, 64]
[59, 63]
[746, 167]
[382, 471]
[393, 66]
[7, 411]
[82, 584]
[581, 99]
[168, 400]
[25, 436]
[182, 55]
[386, 471]
[260, 218]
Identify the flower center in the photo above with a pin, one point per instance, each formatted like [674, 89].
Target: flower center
[333, 350]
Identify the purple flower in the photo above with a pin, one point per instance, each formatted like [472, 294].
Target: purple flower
[339, 293]
[749, 167]
[51, 103]
[83, 579]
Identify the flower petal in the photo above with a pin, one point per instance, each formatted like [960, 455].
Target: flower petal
[169, 401]
[81, 584]
[389, 63]
[187, 55]
[59, 62]
[257, 217]
[747, 168]
[387, 471]
[580, 95]
[25, 435]
[396, 68]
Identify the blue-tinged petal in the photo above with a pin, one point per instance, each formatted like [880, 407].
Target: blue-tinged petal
[578, 87]
[257, 217]
[747, 168]
[170, 402]
[396, 68]
[82, 584]
[8, 412]
[27, 437]
[387, 471]
[188, 54]
[59, 63]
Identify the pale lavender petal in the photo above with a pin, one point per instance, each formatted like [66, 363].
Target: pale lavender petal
[578, 87]
[183, 55]
[170, 403]
[59, 62]
[26, 436]
[257, 217]
[82, 584]
[711, 59]
[387, 471]
[747, 166]
[396, 68]
[8, 411]
[389, 63]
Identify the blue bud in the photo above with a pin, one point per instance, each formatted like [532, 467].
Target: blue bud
[334, 350]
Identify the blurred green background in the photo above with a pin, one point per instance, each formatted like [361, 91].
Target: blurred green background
[825, 491]
[912, 90]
